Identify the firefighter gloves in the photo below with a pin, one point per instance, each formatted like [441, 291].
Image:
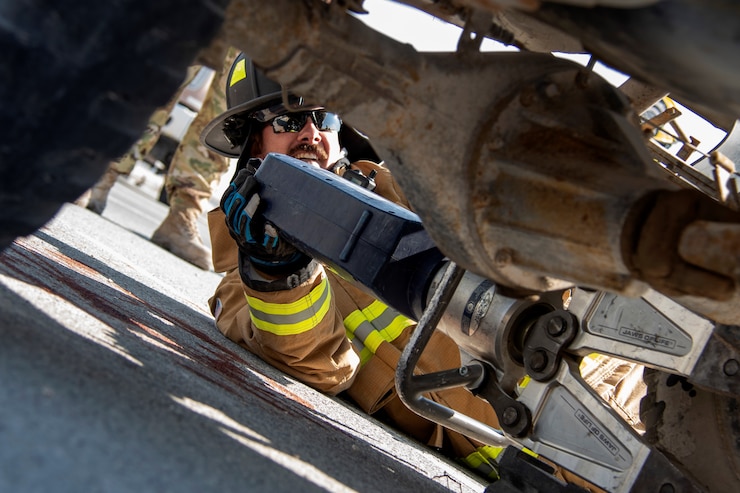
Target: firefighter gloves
[239, 203]
[257, 239]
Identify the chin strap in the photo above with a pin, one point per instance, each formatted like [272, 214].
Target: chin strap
[341, 164]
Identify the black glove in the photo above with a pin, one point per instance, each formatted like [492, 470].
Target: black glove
[259, 241]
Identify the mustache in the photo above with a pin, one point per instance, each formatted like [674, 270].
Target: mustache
[311, 148]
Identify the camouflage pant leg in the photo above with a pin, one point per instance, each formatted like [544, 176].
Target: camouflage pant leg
[125, 164]
[193, 166]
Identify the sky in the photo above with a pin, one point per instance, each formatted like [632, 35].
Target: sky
[426, 33]
[409, 25]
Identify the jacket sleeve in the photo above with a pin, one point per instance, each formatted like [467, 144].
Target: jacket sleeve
[299, 331]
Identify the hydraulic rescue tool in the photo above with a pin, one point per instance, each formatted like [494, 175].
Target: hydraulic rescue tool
[521, 352]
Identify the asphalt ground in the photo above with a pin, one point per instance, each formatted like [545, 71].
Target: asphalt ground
[113, 378]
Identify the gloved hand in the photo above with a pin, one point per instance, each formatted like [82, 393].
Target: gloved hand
[258, 240]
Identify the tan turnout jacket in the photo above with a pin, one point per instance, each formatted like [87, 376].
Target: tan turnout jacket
[336, 338]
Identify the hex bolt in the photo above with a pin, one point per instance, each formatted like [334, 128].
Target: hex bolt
[463, 371]
[503, 257]
[667, 488]
[510, 416]
[538, 360]
[556, 326]
[731, 367]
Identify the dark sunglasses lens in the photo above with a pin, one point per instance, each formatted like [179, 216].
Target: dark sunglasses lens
[289, 123]
[294, 122]
[326, 121]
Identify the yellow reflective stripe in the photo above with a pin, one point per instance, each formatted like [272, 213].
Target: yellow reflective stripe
[291, 318]
[349, 326]
[522, 383]
[386, 320]
[375, 323]
[352, 321]
[530, 452]
[239, 73]
[396, 327]
[369, 327]
[354, 324]
[483, 461]
[374, 309]
[490, 451]
[365, 355]
[373, 340]
[293, 307]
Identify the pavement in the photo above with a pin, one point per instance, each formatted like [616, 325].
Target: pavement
[115, 379]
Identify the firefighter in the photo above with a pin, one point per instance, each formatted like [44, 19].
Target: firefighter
[289, 309]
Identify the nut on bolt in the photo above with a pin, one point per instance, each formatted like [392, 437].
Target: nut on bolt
[538, 360]
[555, 326]
[510, 416]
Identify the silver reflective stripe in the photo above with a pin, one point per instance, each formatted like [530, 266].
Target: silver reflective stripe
[363, 331]
[386, 319]
[357, 343]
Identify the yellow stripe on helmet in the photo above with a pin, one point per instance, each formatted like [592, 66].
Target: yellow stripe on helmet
[239, 72]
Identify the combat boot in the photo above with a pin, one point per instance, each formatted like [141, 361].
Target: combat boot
[179, 234]
[98, 197]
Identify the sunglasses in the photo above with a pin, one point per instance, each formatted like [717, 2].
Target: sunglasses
[294, 122]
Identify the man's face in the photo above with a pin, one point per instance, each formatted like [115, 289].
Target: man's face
[309, 144]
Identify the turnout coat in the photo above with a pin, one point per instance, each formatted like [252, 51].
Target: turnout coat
[336, 338]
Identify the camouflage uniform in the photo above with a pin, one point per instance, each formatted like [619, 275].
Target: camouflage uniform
[193, 166]
[144, 145]
[193, 172]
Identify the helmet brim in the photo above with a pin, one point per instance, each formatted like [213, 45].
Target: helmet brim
[213, 136]
[356, 143]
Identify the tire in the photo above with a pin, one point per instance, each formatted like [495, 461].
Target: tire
[78, 84]
[698, 429]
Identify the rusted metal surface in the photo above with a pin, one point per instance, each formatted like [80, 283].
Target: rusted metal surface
[524, 168]
[641, 95]
[712, 246]
[660, 249]
[521, 27]
[616, 33]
